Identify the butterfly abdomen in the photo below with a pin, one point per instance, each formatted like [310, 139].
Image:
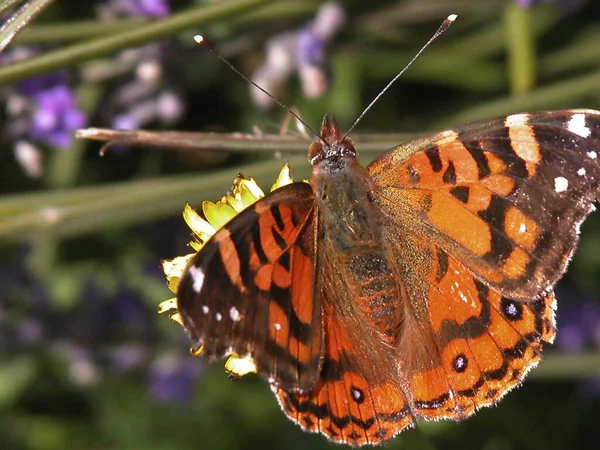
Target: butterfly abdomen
[376, 290]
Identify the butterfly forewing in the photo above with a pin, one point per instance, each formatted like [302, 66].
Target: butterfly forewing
[250, 291]
[505, 197]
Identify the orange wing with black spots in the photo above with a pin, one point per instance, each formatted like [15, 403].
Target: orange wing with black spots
[486, 342]
[358, 398]
[492, 210]
[250, 290]
[494, 194]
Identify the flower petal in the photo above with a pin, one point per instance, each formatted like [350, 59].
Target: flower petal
[240, 366]
[173, 269]
[284, 177]
[218, 214]
[200, 227]
[167, 305]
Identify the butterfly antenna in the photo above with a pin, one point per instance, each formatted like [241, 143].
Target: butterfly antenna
[443, 27]
[200, 40]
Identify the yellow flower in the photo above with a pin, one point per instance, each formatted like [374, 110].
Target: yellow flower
[243, 193]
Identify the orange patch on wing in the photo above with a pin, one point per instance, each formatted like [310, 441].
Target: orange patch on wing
[454, 298]
[230, 257]
[300, 351]
[520, 228]
[262, 279]
[495, 163]
[516, 264]
[490, 361]
[499, 184]
[453, 219]
[479, 198]
[502, 331]
[279, 326]
[302, 285]
[466, 167]
[281, 277]
[487, 353]
[463, 373]
[431, 393]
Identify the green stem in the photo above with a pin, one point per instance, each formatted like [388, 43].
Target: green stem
[520, 40]
[131, 202]
[564, 94]
[5, 4]
[192, 17]
[569, 366]
[20, 19]
[88, 29]
[75, 30]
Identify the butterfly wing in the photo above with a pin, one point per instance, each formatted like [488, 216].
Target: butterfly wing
[359, 397]
[486, 342]
[492, 212]
[250, 290]
[505, 197]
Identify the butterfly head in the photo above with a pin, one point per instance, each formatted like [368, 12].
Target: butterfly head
[331, 145]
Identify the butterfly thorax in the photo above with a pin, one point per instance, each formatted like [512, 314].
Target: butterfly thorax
[350, 229]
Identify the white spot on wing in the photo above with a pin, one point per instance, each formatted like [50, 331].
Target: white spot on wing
[522, 228]
[277, 326]
[581, 172]
[205, 309]
[516, 120]
[577, 126]
[234, 314]
[218, 317]
[561, 184]
[592, 154]
[197, 278]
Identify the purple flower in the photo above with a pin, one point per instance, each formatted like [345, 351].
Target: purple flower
[33, 87]
[566, 5]
[171, 379]
[152, 8]
[300, 51]
[43, 109]
[56, 116]
[310, 48]
[578, 325]
[135, 8]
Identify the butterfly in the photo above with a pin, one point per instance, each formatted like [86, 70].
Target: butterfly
[417, 288]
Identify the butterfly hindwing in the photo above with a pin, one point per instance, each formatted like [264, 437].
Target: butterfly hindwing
[250, 290]
[506, 197]
[358, 398]
[486, 342]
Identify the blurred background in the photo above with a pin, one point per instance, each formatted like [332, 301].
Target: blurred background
[85, 360]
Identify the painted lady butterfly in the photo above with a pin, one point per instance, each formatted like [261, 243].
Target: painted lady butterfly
[419, 287]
